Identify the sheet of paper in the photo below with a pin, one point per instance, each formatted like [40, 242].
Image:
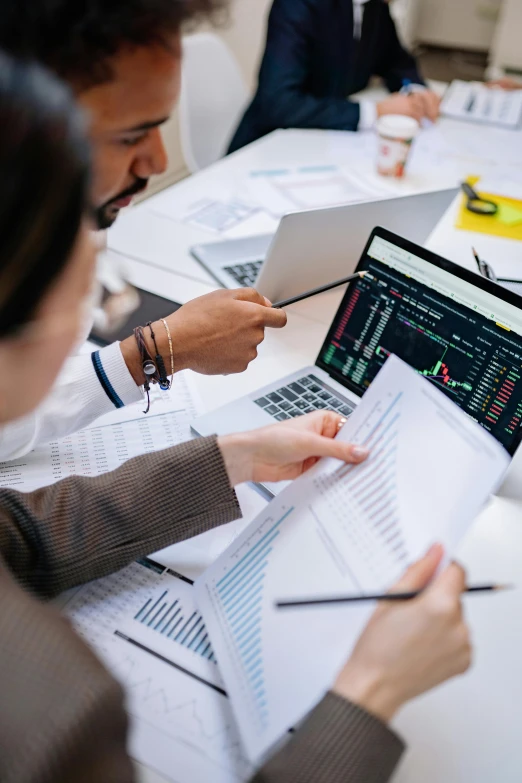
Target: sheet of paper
[475, 102]
[110, 441]
[281, 191]
[341, 529]
[509, 216]
[507, 187]
[226, 210]
[144, 625]
[218, 215]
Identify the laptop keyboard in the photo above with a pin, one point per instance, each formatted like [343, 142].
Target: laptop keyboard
[245, 274]
[305, 395]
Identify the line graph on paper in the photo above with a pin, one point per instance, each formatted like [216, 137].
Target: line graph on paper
[360, 504]
[203, 743]
[144, 624]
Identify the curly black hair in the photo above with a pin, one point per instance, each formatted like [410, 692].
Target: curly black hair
[78, 38]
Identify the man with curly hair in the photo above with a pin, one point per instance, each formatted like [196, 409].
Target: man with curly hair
[122, 59]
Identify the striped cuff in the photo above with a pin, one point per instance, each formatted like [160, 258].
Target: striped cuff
[114, 377]
[104, 381]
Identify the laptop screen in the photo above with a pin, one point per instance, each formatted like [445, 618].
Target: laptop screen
[459, 335]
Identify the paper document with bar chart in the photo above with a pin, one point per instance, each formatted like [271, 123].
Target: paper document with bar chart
[341, 529]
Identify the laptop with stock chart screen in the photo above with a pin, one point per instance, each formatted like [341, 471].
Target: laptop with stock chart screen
[458, 329]
[465, 337]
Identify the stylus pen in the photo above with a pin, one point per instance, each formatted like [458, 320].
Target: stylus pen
[314, 291]
[350, 599]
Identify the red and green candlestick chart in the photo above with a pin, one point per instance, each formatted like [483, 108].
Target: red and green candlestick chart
[439, 372]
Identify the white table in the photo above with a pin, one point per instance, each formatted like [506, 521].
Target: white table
[468, 730]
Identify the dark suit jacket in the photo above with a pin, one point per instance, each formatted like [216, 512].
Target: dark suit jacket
[312, 64]
[62, 717]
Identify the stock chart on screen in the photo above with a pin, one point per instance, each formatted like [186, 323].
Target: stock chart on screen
[474, 358]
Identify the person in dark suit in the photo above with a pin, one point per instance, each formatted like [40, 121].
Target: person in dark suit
[317, 54]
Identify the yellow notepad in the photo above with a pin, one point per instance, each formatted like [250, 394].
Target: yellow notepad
[506, 223]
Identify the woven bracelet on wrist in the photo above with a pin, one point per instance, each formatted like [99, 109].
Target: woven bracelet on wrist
[164, 382]
[150, 371]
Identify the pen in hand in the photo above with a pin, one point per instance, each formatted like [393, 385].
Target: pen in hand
[407, 596]
[320, 290]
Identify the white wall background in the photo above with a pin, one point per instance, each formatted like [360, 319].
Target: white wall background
[469, 24]
[506, 49]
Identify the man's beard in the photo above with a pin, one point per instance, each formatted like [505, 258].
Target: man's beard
[108, 212]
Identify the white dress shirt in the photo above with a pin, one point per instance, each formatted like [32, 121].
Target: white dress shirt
[77, 398]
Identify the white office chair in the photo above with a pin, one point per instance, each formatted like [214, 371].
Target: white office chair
[213, 97]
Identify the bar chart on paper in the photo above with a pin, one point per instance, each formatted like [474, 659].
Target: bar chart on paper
[340, 529]
[168, 617]
[239, 595]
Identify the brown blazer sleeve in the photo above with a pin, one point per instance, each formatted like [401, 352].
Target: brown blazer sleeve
[84, 528]
[338, 743]
[62, 715]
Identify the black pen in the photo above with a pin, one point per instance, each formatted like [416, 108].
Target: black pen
[320, 290]
[407, 596]
[483, 267]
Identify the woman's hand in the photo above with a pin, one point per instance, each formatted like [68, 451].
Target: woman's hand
[284, 451]
[410, 647]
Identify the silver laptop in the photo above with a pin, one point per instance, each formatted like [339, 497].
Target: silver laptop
[314, 247]
[460, 330]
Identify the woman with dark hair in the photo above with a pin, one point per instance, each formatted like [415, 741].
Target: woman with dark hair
[61, 713]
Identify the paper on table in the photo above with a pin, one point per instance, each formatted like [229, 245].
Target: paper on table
[509, 215]
[110, 441]
[341, 529]
[509, 188]
[144, 625]
[217, 215]
[475, 102]
[281, 191]
[225, 210]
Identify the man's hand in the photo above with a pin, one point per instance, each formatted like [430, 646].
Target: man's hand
[283, 451]
[410, 647]
[505, 83]
[214, 334]
[429, 102]
[417, 105]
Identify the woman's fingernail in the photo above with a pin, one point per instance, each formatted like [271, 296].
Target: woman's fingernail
[359, 452]
[342, 422]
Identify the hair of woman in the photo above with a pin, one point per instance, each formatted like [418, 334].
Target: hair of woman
[44, 180]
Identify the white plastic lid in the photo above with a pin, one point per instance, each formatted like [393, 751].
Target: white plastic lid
[397, 126]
